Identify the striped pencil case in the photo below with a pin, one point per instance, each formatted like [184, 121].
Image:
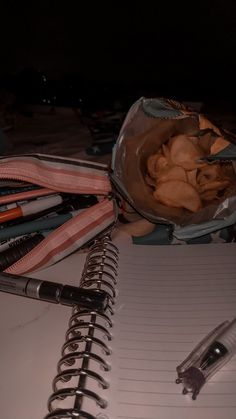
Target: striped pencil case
[35, 177]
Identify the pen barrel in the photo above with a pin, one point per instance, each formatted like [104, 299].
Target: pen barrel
[47, 291]
[13, 284]
[41, 204]
[10, 214]
[228, 338]
[67, 294]
[91, 299]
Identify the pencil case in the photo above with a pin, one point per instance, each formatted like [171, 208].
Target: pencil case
[160, 135]
[53, 175]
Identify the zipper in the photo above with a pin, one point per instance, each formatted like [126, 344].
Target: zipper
[67, 238]
[62, 177]
[69, 176]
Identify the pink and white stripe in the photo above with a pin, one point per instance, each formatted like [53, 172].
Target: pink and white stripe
[67, 238]
[62, 177]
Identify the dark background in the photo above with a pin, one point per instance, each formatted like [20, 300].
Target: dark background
[184, 50]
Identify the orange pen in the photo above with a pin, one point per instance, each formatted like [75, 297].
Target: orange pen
[30, 208]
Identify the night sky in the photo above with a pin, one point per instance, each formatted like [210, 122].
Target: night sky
[188, 48]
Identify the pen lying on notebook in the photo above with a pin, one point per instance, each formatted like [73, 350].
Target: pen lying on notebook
[207, 358]
[53, 292]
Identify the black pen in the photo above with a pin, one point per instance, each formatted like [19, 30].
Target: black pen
[53, 292]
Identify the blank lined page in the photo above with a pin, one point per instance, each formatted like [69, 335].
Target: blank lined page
[32, 334]
[170, 297]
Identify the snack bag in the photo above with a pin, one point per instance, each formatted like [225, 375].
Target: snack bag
[175, 169]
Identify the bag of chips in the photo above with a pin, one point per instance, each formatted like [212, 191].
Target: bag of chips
[173, 167]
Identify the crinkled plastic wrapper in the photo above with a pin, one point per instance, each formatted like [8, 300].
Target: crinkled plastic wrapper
[149, 124]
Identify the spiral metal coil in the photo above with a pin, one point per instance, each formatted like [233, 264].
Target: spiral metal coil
[87, 339]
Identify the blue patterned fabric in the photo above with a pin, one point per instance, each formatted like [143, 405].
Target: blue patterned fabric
[163, 234]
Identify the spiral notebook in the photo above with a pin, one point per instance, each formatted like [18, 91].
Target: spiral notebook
[58, 363]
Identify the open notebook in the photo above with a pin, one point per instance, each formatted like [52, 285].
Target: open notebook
[169, 298]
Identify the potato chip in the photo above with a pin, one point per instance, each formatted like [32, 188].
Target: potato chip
[192, 177]
[155, 163]
[209, 195]
[172, 173]
[219, 145]
[185, 153]
[206, 124]
[181, 180]
[214, 185]
[179, 194]
[209, 173]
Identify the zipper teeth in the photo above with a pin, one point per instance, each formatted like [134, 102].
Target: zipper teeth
[40, 245]
[24, 178]
[50, 157]
[29, 255]
[39, 182]
[90, 188]
[8, 177]
[37, 248]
